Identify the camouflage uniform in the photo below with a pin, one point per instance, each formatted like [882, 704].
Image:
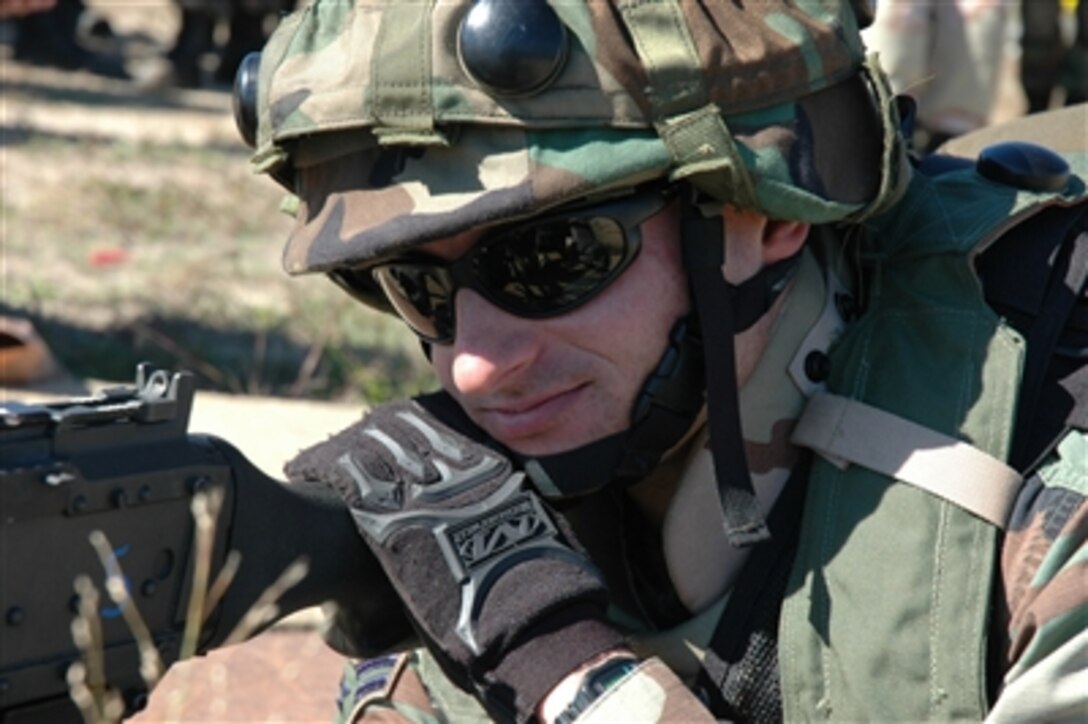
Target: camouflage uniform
[886, 603]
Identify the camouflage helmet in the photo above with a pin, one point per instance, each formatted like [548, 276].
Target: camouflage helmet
[389, 137]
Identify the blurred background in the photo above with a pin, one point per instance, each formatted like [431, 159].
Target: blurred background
[131, 227]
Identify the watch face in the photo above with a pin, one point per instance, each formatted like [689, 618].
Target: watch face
[597, 682]
[608, 675]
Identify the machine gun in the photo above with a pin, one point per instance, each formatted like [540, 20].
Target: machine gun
[123, 463]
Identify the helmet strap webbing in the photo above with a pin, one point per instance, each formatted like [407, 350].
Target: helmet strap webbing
[753, 297]
[401, 94]
[703, 243]
[663, 412]
[690, 125]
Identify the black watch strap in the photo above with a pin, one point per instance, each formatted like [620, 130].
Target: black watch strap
[596, 682]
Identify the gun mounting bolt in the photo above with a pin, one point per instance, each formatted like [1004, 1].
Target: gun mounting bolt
[144, 493]
[199, 484]
[15, 616]
[78, 505]
[119, 498]
[137, 700]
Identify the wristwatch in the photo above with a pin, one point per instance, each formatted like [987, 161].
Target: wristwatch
[595, 683]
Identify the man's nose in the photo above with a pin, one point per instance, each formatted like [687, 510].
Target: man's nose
[491, 346]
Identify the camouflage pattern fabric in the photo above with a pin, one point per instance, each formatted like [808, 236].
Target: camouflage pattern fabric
[378, 168]
[1044, 590]
[384, 689]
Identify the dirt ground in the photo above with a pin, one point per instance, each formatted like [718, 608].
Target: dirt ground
[286, 674]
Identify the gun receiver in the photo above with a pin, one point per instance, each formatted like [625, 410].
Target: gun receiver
[122, 462]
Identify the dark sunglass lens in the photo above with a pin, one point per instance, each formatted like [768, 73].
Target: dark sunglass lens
[548, 267]
[422, 296]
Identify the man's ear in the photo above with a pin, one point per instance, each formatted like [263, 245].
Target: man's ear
[754, 242]
[782, 239]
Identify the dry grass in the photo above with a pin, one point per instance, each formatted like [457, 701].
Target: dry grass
[101, 703]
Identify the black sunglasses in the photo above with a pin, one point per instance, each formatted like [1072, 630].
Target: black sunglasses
[541, 268]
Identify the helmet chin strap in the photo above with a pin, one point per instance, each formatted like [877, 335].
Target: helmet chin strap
[716, 302]
[664, 411]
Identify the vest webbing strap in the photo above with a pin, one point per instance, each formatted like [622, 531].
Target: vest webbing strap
[846, 431]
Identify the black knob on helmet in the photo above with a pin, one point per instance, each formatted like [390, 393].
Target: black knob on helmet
[244, 98]
[1024, 165]
[512, 47]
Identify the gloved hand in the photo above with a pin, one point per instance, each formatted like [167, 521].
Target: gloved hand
[493, 580]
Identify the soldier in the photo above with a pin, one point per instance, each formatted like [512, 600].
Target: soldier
[56, 34]
[244, 22]
[726, 427]
[1047, 59]
[948, 55]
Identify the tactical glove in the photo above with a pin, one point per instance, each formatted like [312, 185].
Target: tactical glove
[493, 580]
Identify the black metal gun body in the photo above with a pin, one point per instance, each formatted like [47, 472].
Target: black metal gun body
[123, 463]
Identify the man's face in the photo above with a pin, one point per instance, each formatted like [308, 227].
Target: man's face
[544, 386]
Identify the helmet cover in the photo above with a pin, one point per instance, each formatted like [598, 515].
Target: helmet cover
[391, 142]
